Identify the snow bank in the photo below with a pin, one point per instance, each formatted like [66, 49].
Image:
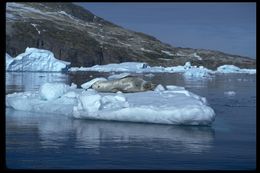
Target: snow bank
[34, 59]
[170, 105]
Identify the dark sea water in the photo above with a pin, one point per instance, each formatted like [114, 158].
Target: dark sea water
[49, 141]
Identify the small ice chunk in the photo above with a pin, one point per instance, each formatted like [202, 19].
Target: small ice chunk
[91, 82]
[89, 102]
[196, 72]
[73, 86]
[159, 88]
[230, 93]
[187, 65]
[51, 91]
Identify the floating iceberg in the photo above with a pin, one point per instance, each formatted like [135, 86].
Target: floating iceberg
[170, 105]
[8, 60]
[122, 67]
[187, 69]
[34, 59]
[234, 69]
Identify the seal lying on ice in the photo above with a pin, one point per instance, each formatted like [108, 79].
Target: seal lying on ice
[126, 84]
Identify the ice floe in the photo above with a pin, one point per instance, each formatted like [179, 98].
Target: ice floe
[164, 105]
[187, 69]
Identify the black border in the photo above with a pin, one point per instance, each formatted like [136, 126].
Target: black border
[3, 50]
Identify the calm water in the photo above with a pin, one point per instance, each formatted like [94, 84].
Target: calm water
[46, 141]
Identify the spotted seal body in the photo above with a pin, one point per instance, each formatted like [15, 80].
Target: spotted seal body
[127, 85]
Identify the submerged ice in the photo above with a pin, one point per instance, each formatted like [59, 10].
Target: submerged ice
[165, 105]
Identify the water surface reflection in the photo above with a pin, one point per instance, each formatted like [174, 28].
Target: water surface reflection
[55, 131]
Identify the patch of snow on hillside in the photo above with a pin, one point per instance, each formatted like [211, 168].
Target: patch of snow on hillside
[145, 50]
[66, 14]
[35, 26]
[197, 56]
[167, 52]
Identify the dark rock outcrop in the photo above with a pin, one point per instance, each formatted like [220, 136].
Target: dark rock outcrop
[76, 35]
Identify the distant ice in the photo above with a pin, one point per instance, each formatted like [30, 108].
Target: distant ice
[122, 67]
[170, 105]
[34, 59]
[8, 60]
[187, 69]
[234, 69]
[230, 93]
[43, 60]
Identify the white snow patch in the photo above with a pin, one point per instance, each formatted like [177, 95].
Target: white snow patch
[145, 50]
[124, 43]
[73, 86]
[35, 26]
[66, 14]
[167, 53]
[197, 56]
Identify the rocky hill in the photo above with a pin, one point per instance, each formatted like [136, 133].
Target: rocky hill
[76, 35]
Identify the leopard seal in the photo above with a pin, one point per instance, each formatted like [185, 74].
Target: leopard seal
[126, 84]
